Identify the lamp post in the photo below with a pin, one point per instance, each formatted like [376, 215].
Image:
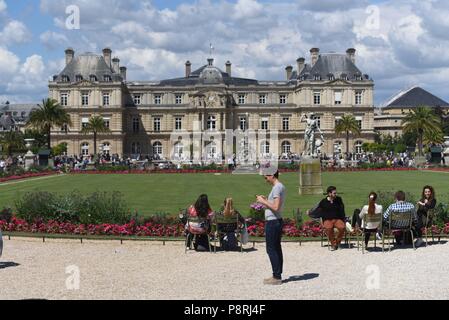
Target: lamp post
[29, 156]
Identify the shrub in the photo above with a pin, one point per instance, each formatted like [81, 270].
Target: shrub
[101, 207]
[6, 215]
[257, 212]
[36, 206]
[113, 168]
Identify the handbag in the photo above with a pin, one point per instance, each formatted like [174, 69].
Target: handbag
[244, 235]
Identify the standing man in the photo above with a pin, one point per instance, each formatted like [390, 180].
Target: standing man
[273, 227]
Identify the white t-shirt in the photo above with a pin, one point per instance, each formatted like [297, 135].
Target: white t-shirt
[371, 225]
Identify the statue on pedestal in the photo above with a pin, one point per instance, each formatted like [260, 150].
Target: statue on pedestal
[312, 142]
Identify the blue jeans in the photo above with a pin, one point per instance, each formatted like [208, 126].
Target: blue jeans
[273, 235]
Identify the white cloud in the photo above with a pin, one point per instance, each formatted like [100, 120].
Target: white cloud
[15, 32]
[53, 40]
[9, 63]
[3, 6]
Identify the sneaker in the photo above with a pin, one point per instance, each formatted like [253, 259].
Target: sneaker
[272, 281]
[379, 236]
[419, 242]
[349, 227]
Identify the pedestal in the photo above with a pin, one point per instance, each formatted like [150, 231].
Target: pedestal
[446, 151]
[310, 177]
[29, 160]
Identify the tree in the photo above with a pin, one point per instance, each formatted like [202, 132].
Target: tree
[421, 120]
[348, 124]
[95, 125]
[60, 149]
[11, 140]
[433, 137]
[50, 114]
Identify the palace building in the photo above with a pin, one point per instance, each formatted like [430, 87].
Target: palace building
[143, 115]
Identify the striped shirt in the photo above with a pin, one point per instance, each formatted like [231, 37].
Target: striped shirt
[400, 207]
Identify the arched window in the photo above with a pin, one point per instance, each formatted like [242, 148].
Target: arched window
[265, 147]
[358, 147]
[106, 148]
[211, 150]
[286, 147]
[338, 147]
[179, 150]
[157, 148]
[85, 149]
[65, 78]
[135, 148]
[107, 78]
[79, 78]
[93, 78]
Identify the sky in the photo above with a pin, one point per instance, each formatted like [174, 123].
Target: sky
[399, 43]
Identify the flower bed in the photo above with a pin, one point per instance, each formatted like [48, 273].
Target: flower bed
[168, 171]
[27, 175]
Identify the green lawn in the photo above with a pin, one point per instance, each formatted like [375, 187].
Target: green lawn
[168, 193]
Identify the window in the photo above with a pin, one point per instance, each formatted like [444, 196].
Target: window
[358, 147]
[262, 99]
[106, 148]
[135, 148]
[338, 147]
[157, 124]
[317, 77]
[178, 99]
[136, 125]
[318, 121]
[85, 98]
[65, 128]
[282, 99]
[65, 79]
[211, 150]
[338, 97]
[317, 97]
[78, 78]
[178, 123]
[107, 78]
[264, 124]
[85, 149]
[358, 97]
[337, 120]
[285, 123]
[179, 149]
[286, 147]
[107, 122]
[64, 99]
[212, 123]
[359, 121]
[93, 78]
[242, 99]
[265, 147]
[137, 99]
[157, 148]
[106, 97]
[158, 99]
[243, 123]
[84, 122]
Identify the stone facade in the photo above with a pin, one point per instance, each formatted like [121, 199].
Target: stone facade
[143, 116]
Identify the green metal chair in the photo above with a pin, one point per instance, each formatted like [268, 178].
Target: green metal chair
[405, 220]
[196, 221]
[222, 225]
[428, 224]
[324, 235]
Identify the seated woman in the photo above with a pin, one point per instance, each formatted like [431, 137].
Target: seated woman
[200, 209]
[227, 230]
[426, 203]
[371, 209]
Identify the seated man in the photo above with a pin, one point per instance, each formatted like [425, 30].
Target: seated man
[400, 206]
[332, 211]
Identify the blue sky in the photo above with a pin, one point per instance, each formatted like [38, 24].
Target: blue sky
[399, 43]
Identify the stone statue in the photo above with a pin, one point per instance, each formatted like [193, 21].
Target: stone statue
[312, 142]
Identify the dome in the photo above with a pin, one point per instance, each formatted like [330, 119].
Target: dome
[211, 74]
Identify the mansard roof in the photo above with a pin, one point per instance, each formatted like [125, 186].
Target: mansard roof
[415, 97]
[87, 65]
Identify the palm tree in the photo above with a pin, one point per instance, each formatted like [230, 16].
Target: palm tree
[433, 137]
[49, 115]
[95, 125]
[421, 120]
[11, 140]
[348, 124]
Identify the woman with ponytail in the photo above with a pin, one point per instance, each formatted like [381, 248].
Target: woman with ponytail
[371, 209]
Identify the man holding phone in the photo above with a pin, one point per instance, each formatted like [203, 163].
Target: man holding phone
[273, 223]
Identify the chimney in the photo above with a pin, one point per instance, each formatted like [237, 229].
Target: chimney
[229, 68]
[350, 53]
[289, 70]
[188, 69]
[315, 54]
[69, 55]
[116, 65]
[301, 64]
[107, 54]
[123, 73]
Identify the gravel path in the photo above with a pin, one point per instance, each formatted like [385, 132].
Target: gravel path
[31, 269]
